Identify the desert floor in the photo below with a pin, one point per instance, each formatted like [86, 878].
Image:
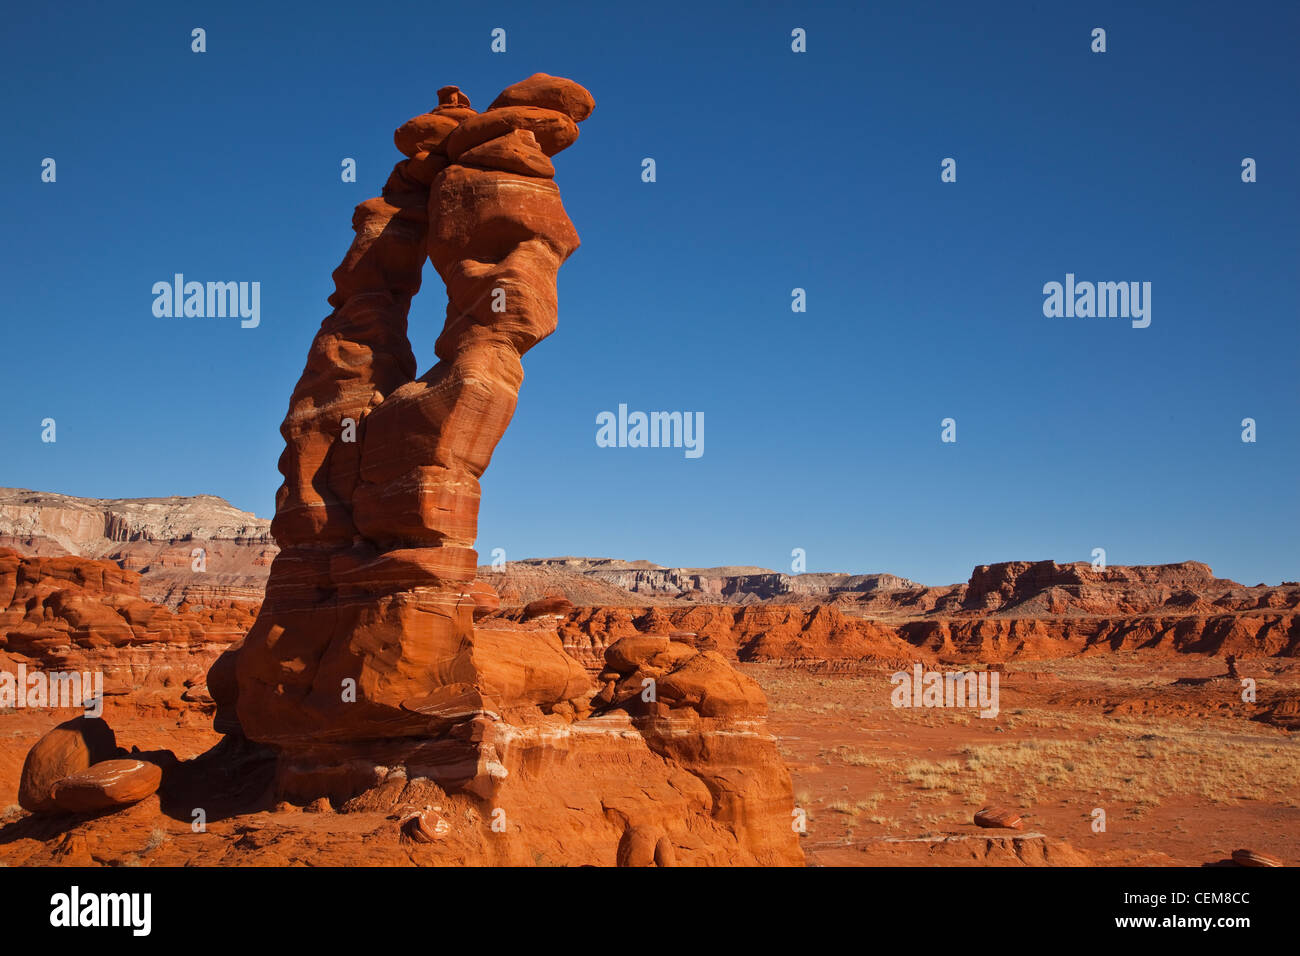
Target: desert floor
[1184, 777]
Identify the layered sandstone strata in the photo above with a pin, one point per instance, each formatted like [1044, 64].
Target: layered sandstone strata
[158, 537]
[69, 615]
[775, 632]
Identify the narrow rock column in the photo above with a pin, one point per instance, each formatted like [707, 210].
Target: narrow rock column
[367, 630]
[498, 236]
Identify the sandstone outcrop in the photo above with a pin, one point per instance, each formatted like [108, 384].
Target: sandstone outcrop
[69, 615]
[365, 669]
[378, 512]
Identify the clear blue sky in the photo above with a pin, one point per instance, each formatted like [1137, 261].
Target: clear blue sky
[775, 170]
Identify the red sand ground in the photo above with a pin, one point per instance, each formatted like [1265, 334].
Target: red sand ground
[1113, 696]
[1183, 775]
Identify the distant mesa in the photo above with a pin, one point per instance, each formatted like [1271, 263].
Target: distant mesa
[1008, 609]
[154, 537]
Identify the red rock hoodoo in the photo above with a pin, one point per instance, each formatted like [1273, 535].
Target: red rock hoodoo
[365, 670]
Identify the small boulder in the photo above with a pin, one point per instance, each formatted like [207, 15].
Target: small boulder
[1255, 858]
[107, 785]
[628, 653]
[71, 747]
[999, 818]
[424, 133]
[553, 130]
[637, 846]
[515, 152]
[548, 92]
[452, 96]
[707, 683]
[1284, 712]
[425, 826]
[548, 606]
